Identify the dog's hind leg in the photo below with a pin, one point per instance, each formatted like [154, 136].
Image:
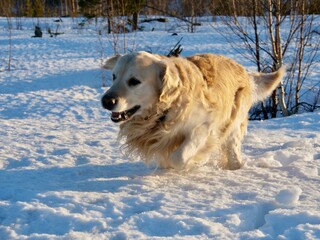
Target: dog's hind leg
[232, 147]
[232, 151]
[235, 130]
[190, 147]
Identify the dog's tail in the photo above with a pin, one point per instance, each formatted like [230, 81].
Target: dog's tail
[265, 83]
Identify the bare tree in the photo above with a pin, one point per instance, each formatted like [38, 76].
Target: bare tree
[305, 56]
[273, 23]
[264, 38]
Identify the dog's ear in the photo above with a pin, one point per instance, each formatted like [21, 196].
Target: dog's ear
[170, 83]
[169, 74]
[111, 62]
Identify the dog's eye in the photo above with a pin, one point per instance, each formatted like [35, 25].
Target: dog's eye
[133, 82]
[113, 77]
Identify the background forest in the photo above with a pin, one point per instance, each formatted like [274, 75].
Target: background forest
[258, 24]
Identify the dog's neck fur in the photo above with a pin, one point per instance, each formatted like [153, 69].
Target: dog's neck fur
[144, 138]
[161, 118]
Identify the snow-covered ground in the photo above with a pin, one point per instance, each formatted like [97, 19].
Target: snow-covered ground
[63, 176]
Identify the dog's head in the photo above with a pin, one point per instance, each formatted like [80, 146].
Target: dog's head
[138, 80]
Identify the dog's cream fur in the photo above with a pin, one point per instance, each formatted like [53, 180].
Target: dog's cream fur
[189, 107]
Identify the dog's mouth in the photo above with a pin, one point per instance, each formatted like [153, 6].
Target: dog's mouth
[125, 115]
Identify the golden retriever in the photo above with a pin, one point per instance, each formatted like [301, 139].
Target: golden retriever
[179, 111]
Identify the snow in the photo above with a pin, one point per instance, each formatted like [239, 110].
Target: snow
[63, 175]
[289, 197]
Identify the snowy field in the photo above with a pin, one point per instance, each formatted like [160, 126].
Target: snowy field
[63, 176]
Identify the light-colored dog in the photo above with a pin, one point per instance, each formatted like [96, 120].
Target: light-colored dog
[178, 111]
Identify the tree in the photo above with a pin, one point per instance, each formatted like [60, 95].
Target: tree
[134, 7]
[262, 35]
[307, 50]
[28, 8]
[274, 28]
[89, 7]
[38, 9]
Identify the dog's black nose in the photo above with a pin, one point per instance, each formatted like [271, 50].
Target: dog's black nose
[109, 101]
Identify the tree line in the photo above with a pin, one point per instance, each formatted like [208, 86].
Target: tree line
[273, 33]
[93, 8]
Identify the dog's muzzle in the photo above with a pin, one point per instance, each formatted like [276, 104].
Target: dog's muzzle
[110, 100]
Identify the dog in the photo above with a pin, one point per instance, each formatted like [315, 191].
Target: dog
[180, 111]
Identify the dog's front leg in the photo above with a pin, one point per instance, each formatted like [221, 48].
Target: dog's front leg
[189, 147]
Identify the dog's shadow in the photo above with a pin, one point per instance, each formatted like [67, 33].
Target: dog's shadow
[28, 184]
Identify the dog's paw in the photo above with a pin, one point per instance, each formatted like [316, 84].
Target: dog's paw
[177, 161]
[234, 165]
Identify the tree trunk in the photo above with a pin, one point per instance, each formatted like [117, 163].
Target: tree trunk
[257, 50]
[300, 57]
[135, 16]
[234, 12]
[66, 8]
[277, 53]
[109, 25]
[10, 41]
[74, 8]
[256, 34]
[281, 92]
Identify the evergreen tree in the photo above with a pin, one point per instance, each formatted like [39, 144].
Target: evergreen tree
[28, 8]
[89, 7]
[37, 9]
